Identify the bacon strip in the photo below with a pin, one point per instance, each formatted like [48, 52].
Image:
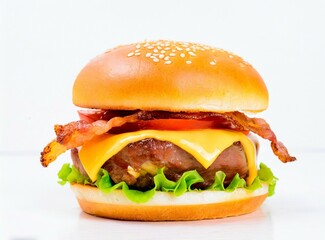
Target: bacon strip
[74, 134]
[233, 120]
[260, 127]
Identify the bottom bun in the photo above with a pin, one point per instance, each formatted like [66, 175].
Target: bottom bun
[195, 205]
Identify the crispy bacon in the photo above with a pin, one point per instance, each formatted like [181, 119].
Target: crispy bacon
[74, 134]
[260, 127]
[232, 120]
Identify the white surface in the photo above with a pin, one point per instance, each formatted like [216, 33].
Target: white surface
[43, 46]
[34, 206]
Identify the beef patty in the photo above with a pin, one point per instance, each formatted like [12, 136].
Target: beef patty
[137, 163]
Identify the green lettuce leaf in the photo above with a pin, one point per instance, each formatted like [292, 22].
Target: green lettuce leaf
[236, 182]
[266, 175]
[256, 184]
[219, 178]
[184, 184]
[72, 175]
[105, 184]
[64, 173]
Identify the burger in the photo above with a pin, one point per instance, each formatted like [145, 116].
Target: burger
[166, 131]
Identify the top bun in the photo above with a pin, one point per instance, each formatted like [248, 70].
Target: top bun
[170, 76]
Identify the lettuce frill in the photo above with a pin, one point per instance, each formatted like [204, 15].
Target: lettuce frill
[184, 184]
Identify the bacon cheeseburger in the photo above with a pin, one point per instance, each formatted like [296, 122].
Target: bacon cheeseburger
[164, 135]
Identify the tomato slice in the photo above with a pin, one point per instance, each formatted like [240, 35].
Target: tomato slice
[90, 115]
[176, 124]
[159, 124]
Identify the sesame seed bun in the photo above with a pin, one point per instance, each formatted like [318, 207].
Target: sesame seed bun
[167, 207]
[170, 76]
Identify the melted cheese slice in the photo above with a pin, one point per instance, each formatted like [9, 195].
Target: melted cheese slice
[205, 145]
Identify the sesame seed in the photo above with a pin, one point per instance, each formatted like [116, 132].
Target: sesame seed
[192, 54]
[231, 56]
[242, 65]
[167, 50]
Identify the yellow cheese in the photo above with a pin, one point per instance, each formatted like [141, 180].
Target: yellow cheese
[205, 145]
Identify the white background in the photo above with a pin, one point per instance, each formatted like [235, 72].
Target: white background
[44, 44]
